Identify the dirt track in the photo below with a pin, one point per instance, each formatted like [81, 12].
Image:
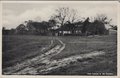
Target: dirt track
[31, 66]
[43, 64]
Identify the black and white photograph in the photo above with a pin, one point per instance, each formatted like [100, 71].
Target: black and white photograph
[63, 38]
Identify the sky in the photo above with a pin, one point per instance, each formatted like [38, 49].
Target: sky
[15, 13]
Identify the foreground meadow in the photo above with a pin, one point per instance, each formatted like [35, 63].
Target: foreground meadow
[100, 65]
[19, 48]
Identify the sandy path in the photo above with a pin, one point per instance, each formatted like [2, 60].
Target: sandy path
[43, 64]
[31, 66]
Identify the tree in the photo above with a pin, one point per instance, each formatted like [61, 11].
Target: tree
[65, 14]
[21, 29]
[84, 27]
[29, 25]
[37, 27]
[30, 28]
[98, 25]
[52, 22]
[44, 27]
[103, 18]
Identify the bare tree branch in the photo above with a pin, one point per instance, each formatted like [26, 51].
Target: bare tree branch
[65, 14]
[103, 18]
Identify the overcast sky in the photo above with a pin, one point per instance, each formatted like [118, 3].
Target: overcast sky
[15, 13]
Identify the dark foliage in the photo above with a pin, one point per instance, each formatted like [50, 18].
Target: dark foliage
[21, 29]
[84, 27]
[8, 31]
[96, 28]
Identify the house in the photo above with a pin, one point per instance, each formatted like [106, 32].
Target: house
[69, 29]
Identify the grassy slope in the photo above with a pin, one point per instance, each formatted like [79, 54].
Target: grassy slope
[17, 48]
[81, 45]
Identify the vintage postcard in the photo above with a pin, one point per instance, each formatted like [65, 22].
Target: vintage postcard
[59, 38]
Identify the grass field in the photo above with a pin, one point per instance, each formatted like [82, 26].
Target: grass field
[18, 48]
[82, 45]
